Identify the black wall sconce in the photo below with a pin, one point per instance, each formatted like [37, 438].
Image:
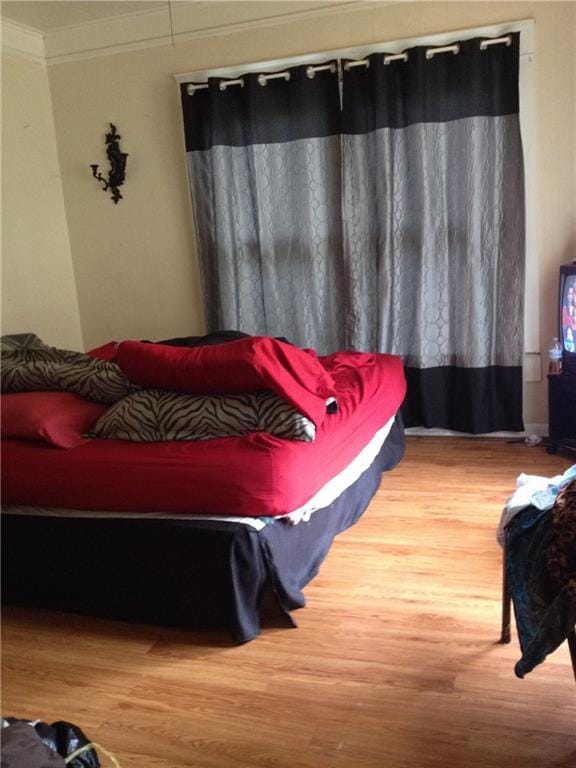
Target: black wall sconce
[117, 160]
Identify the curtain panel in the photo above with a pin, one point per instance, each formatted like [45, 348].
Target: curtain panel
[434, 211]
[384, 212]
[264, 164]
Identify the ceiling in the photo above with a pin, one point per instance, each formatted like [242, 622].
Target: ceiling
[49, 15]
[49, 29]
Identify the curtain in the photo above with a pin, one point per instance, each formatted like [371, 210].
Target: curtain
[264, 166]
[385, 217]
[434, 219]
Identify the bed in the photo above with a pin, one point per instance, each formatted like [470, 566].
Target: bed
[199, 533]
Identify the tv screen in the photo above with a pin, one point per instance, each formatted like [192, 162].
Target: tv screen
[567, 319]
[569, 313]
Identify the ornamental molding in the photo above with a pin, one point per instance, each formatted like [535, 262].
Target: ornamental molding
[153, 29]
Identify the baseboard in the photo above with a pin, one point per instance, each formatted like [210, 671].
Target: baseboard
[531, 429]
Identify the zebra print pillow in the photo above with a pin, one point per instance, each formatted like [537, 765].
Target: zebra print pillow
[156, 415]
[20, 341]
[34, 369]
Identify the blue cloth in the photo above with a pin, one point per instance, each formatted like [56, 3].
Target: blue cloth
[544, 499]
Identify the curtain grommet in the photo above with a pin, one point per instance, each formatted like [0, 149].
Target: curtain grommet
[485, 44]
[389, 58]
[362, 63]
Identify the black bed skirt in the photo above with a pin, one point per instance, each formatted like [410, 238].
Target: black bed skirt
[196, 573]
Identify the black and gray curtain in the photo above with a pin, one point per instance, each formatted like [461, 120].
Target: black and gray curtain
[377, 207]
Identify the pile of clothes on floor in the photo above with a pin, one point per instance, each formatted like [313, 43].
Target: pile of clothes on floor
[34, 744]
[538, 525]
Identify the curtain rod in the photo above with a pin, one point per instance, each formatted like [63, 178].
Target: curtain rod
[311, 70]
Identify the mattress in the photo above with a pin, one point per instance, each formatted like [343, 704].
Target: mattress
[253, 476]
[323, 498]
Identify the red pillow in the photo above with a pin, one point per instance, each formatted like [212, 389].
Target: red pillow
[58, 418]
[245, 365]
[106, 352]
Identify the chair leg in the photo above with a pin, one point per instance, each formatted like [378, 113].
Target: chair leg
[572, 646]
[506, 600]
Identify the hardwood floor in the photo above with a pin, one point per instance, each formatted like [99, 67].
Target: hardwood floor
[395, 664]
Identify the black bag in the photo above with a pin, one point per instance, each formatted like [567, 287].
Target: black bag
[62, 738]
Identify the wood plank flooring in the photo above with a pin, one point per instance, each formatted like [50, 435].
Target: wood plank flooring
[395, 663]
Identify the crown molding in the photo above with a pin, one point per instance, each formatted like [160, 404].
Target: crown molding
[21, 41]
[152, 29]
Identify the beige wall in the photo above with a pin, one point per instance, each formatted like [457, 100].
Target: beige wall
[38, 287]
[134, 263]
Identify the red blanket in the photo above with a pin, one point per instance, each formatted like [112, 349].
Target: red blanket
[246, 365]
[253, 475]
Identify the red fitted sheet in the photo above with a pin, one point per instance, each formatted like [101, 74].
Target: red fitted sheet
[246, 476]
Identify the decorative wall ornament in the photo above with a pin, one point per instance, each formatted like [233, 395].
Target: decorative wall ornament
[117, 160]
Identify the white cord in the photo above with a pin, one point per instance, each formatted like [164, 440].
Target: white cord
[86, 747]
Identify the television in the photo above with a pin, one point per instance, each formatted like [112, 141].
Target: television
[567, 317]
